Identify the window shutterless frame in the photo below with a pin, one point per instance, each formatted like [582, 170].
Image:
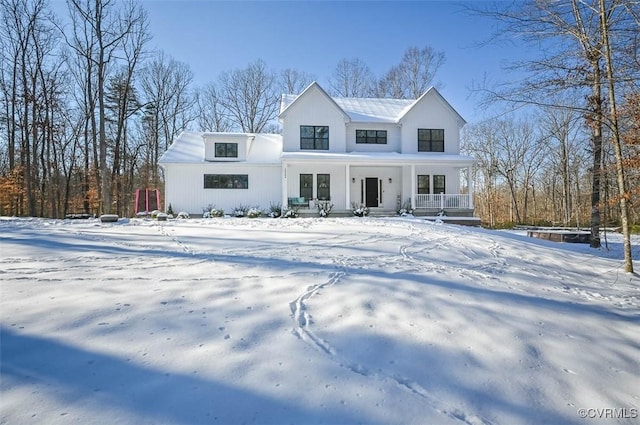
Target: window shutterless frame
[226, 181]
[314, 137]
[226, 150]
[430, 140]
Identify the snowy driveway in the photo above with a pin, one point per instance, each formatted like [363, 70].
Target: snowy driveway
[334, 321]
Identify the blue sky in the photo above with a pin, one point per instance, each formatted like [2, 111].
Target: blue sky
[313, 36]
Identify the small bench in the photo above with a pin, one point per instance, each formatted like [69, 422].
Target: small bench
[298, 202]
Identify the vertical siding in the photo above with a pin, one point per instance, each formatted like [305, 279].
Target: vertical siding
[393, 138]
[430, 113]
[391, 192]
[337, 189]
[314, 109]
[185, 187]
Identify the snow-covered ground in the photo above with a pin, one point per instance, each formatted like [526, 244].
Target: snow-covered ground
[305, 321]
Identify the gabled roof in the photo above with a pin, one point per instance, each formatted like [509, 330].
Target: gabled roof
[371, 110]
[432, 92]
[291, 100]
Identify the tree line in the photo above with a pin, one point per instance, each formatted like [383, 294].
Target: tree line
[87, 109]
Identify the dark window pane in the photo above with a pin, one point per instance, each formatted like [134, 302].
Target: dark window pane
[371, 136]
[438, 184]
[226, 181]
[226, 150]
[423, 184]
[314, 137]
[324, 187]
[306, 186]
[306, 131]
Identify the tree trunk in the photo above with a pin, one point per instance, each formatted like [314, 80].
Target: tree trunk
[622, 191]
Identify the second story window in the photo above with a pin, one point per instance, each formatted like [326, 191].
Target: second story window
[430, 140]
[226, 150]
[314, 137]
[376, 137]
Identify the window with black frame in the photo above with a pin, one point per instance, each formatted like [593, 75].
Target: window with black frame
[323, 190]
[372, 137]
[226, 150]
[306, 186]
[438, 184]
[430, 140]
[423, 184]
[314, 137]
[226, 181]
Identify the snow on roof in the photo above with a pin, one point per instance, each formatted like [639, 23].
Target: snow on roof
[363, 109]
[371, 110]
[188, 147]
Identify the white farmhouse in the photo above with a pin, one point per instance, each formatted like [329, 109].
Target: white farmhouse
[380, 153]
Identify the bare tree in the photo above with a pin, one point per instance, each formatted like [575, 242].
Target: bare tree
[168, 101]
[607, 12]
[104, 24]
[293, 81]
[413, 76]
[352, 78]
[251, 96]
[560, 124]
[212, 114]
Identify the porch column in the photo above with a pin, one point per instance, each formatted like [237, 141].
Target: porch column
[285, 193]
[413, 186]
[347, 186]
[470, 185]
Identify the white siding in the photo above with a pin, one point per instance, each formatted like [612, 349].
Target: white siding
[431, 112]
[391, 190]
[337, 181]
[314, 109]
[393, 137]
[184, 188]
[209, 147]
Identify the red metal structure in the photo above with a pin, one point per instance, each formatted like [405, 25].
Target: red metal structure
[147, 200]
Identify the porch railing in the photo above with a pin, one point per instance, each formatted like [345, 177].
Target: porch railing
[442, 201]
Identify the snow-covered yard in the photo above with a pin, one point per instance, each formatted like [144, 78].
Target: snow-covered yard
[305, 321]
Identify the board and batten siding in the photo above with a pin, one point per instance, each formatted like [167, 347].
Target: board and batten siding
[430, 113]
[185, 191]
[393, 138]
[337, 181]
[314, 109]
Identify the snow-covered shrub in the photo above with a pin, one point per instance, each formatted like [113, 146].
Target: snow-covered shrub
[290, 213]
[324, 208]
[154, 213]
[405, 209]
[359, 210]
[216, 212]
[170, 210]
[182, 214]
[441, 213]
[240, 211]
[254, 212]
[275, 210]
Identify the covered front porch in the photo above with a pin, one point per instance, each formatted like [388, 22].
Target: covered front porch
[383, 185]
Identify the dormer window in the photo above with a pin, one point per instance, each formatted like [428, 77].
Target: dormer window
[314, 137]
[226, 150]
[430, 140]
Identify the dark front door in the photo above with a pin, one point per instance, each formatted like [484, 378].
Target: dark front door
[371, 191]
